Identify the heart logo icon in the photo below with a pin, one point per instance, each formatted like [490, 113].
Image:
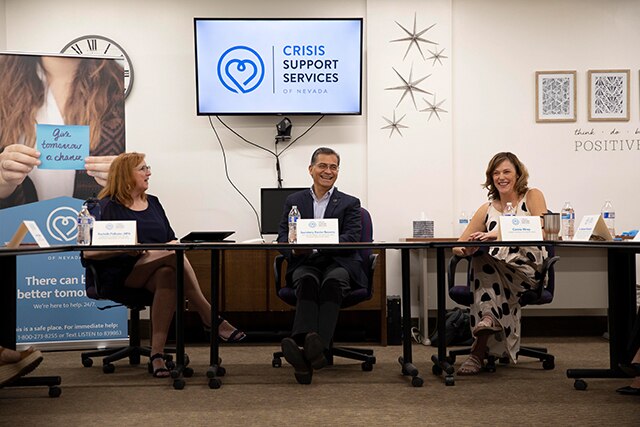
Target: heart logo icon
[240, 69]
[241, 73]
[62, 225]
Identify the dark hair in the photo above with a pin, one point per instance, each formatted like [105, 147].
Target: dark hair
[522, 175]
[323, 150]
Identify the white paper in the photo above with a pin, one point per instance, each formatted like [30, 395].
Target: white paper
[318, 230]
[36, 234]
[520, 228]
[114, 233]
[592, 226]
[28, 227]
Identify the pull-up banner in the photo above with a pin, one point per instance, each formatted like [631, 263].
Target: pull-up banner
[52, 306]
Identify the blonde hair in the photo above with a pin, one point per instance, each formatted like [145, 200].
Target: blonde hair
[522, 175]
[97, 86]
[121, 178]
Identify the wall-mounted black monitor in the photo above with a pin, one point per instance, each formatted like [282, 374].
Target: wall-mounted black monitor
[278, 66]
[271, 206]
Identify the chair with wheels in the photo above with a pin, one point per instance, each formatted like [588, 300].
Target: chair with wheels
[287, 294]
[462, 294]
[136, 300]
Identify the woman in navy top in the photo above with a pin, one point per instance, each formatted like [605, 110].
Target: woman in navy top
[124, 198]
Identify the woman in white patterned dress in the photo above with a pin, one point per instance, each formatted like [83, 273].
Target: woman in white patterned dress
[499, 276]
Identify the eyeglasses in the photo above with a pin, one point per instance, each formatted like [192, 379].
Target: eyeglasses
[145, 168]
[324, 166]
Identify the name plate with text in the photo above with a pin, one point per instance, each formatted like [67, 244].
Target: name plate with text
[318, 230]
[114, 233]
[28, 227]
[524, 228]
[592, 227]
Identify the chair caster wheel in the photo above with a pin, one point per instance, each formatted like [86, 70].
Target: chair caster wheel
[221, 371]
[178, 384]
[436, 370]
[580, 384]
[55, 391]
[187, 372]
[109, 368]
[367, 366]
[215, 383]
[548, 364]
[417, 381]
[449, 381]
[276, 362]
[87, 363]
[451, 360]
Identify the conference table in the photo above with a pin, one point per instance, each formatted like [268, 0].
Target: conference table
[621, 313]
[8, 278]
[621, 288]
[214, 371]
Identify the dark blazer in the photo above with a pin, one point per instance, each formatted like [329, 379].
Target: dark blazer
[346, 209]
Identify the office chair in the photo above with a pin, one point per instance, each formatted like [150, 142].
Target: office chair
[463, 295]
[288, 295]
[136, 300]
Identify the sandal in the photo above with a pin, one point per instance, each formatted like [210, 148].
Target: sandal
[487, 326]
[236, 335]
[159, 372]
[471, 366]
[11, 371]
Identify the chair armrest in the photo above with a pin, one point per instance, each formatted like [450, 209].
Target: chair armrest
[278, 274]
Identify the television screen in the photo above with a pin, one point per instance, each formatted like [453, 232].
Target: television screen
[271, 205]
[278, 66]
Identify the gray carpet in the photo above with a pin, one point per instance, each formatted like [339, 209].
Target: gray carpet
[254, 393]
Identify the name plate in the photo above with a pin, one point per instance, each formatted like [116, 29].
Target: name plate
[318, 230]
[520, 228]
[28, 227]
[107, 233]
[592, 227]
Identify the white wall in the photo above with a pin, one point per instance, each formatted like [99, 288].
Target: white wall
[188, 172]
[3, 25]
[499, 46]
[493, 47]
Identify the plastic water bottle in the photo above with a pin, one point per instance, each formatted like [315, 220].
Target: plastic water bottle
[609, 216]
[568, 218]
[509, 210]
[85, 223]
[463, 222]
[294, 215]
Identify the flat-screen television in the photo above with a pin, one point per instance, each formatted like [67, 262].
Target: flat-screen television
[278, 66]
[271, 206]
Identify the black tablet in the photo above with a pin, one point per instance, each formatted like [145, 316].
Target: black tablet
[206, 236]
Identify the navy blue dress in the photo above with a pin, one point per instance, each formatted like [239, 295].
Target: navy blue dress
[152, 226]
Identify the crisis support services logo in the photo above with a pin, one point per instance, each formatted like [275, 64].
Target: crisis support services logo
[62, 225]
[240, 69]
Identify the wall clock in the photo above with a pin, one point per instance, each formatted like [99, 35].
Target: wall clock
[100, 45]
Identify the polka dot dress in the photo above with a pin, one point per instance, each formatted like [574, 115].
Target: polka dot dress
[497, 280]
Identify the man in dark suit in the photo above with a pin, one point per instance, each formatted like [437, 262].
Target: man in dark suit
[321, 278]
